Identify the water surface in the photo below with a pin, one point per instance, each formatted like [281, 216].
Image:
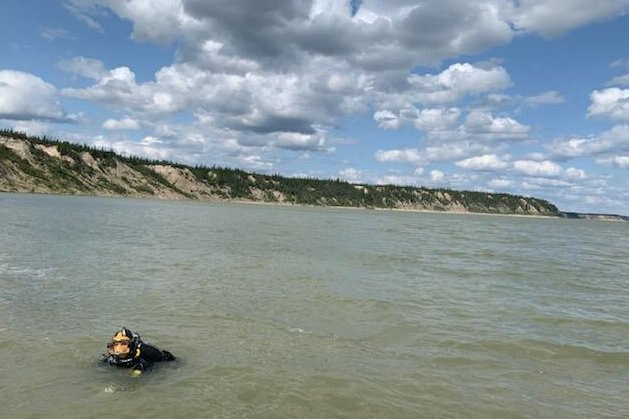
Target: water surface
[310, 312]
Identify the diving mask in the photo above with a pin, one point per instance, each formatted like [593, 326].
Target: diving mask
[119, 348]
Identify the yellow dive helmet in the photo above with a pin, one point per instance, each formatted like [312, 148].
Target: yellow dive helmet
[122, 344]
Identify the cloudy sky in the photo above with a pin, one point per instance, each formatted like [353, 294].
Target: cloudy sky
[519, 96]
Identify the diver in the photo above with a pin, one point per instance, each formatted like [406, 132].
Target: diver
[127, 350]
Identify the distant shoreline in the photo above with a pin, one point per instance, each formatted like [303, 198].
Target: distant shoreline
[43, 166]
[586, 216]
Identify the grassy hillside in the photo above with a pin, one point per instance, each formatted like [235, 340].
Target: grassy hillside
[41, 165]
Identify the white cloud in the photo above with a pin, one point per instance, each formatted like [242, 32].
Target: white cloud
[537, 156]
[612, 141]
[32, 127]
[250, 77]
[487, 162]
[551, 18]
[255, 162]
[397, 180]
[84, 67]
[121, 124]
[457, 81]
[456, 151]
[351, 175]
[298, 141]
[428, 119]
[575, 147]
[409, 155]
[384, 34]
[118, 88]
[494, 101]
[147, 148]
[449, 152]
[387, 119]
[621, 161]
[437, 175]
[576, 174]
[502, 128]
[545, 168]
[620, 80]
[24, 96]
[611, 103]
[159, 21]
[436, 119]
[545, 183]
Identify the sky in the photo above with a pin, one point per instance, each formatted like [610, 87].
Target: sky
[528, 97]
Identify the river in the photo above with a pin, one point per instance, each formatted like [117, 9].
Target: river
[299, 312]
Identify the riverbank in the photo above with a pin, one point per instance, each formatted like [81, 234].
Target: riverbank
[30, 164]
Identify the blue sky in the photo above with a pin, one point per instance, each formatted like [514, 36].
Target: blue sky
[528, 97]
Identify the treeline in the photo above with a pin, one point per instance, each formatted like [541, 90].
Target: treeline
[237, 184]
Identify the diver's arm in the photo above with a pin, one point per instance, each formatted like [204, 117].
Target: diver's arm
[141, 366]
[106, 359]
[137, 369]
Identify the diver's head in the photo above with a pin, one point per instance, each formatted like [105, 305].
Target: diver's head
[123, 344]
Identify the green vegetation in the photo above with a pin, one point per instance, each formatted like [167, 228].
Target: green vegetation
[105, 172]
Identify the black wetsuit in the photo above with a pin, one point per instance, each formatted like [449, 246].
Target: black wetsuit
[144, 357]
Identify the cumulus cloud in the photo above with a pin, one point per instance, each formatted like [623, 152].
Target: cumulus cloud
[611, 103]
[159, 21]
[335, 58]
[450, 152]
[24, 96]
[457, 81]
[542, 169]
[437, 175]
[260, 103]
[409, 155]
[427, 119]
[612, 141]
[387, 119]
[351, 175]
[621, 161]
[483, 123]
[487, 162]
[372, 35]
[551, 18]
[298, 141]
[254, 76]
[574, 173]
[382, 34]
[118, 87]
[436, 119]
[456, 151]
[149, 146]
[121, 124]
